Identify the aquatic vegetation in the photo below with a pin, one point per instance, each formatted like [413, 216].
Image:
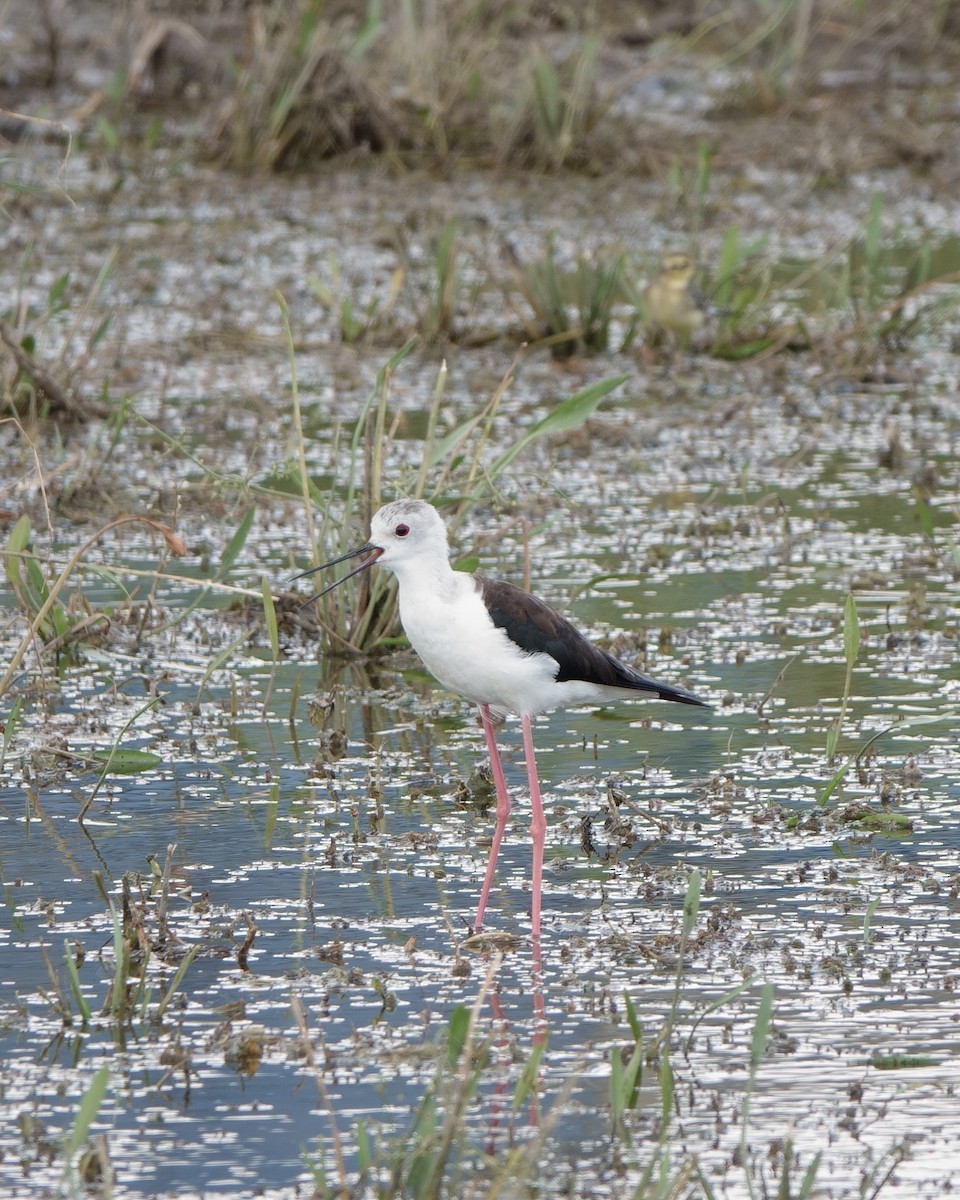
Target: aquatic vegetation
[437, 318]
[49, 621]
[892, 288]
[871, 295]
[572, 308]
[458, 470]
[358, 318]
[558, 111]
[780, 51]
[86, 1115]
[851, 648]
[45, 351]
[303, 95]
[306, 91]
[687, 190]
[143, 942]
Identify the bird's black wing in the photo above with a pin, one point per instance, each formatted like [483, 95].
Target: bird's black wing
[537, 629]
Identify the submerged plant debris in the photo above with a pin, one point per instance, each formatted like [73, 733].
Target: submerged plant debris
[241, 840]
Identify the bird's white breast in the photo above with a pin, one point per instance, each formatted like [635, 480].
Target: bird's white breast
[450, 628]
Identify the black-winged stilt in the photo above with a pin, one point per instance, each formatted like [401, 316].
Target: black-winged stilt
[495, 644]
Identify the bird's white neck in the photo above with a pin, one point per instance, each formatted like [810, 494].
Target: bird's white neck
[431, 573]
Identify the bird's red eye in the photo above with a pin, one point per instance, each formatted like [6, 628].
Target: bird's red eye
[402, 530]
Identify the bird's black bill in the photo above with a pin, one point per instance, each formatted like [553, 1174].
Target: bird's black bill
[373, 551]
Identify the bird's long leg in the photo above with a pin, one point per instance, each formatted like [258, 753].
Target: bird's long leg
[538, 825]
[503, 809]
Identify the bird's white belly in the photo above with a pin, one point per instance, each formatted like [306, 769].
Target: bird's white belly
[461, 646]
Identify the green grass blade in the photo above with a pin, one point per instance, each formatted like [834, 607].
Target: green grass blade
[364, 1149]
[837, 777]
[452, 441]
[369, 32]
[873, 242]
[87, 1112]
[74, 975]
[666, 1088]
[691, 903]
[868, 917]
[10, 727]
[925, 518]
[118, 991]
[127, 762]
[218, 660]
[761, 1028]
[236, 543]
[17, 542]
[635, 1027]
[810, 1177]
[719, 1003]
[270, 616]
[851, 631]
[633, 1076]
[178, 979]
[528, 1076]
[569, 414]
[457, 1033]
[616, 1087]
[111, 754]
[375, 398]
[56, 291]
[431, 436]
[728, 263]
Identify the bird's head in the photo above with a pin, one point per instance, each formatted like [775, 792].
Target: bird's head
[677, 269]
[406, 530]
[400, 533]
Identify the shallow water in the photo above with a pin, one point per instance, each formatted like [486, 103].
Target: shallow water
[336, 892]
[710, 519]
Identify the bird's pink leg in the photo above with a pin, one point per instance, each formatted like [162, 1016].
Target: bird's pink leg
[503, 809]
[538, 826]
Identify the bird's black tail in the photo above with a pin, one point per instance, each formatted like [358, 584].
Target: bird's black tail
[627, 677]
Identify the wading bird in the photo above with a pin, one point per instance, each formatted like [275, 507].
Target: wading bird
[495, 644]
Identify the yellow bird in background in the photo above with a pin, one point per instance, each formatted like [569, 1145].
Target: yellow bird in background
[673, 302]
